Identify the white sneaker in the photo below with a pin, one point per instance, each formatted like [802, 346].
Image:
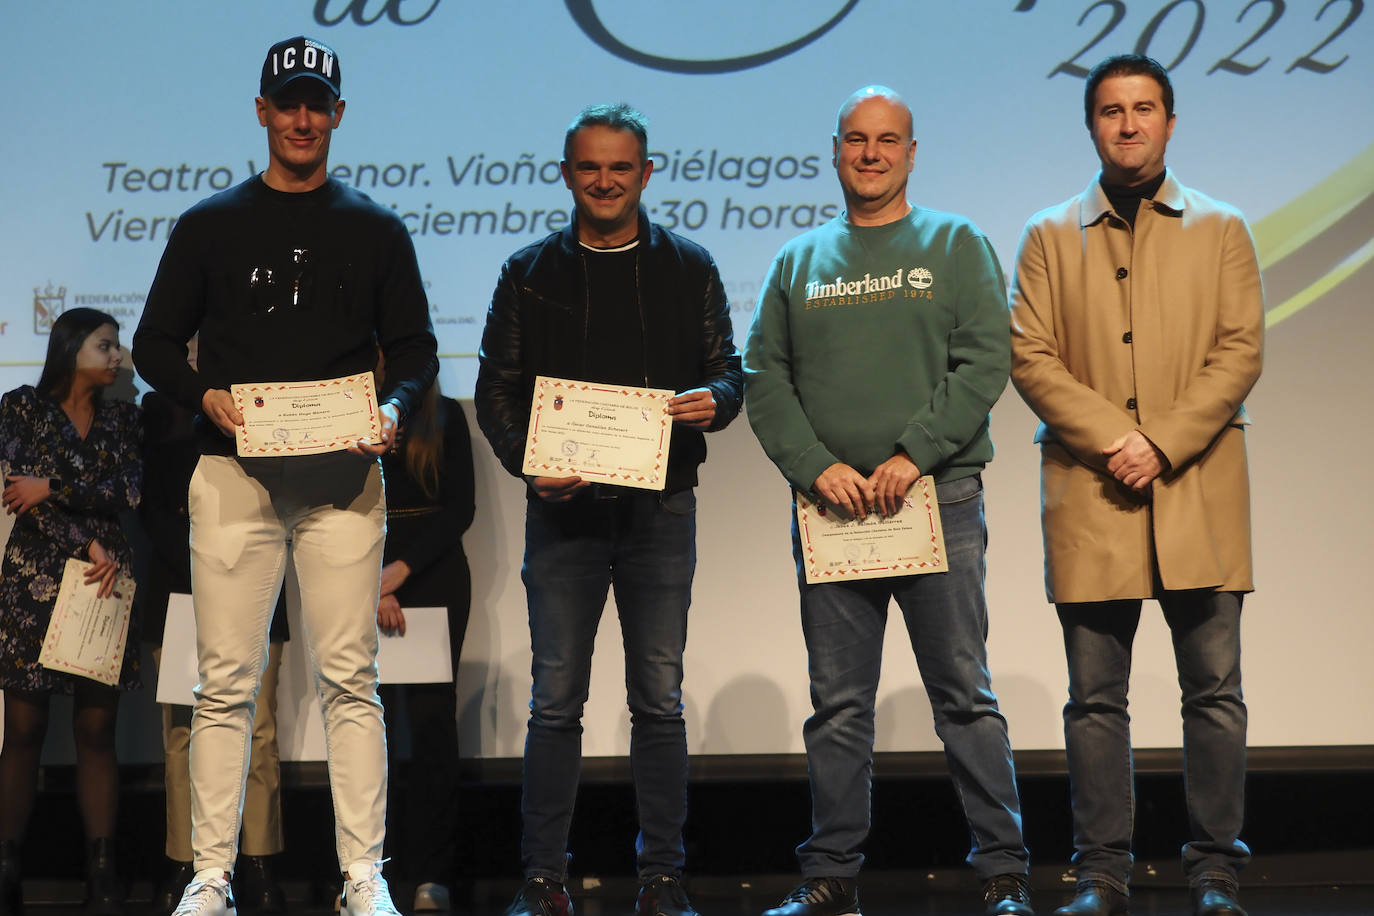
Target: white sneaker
[431, 897]
[365, 892]
[208, 894]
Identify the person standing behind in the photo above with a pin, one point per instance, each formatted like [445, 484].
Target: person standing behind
[170, 455]
[854, 397]
[290, 276]
[1137, 318]
[613, 299]
[430, 502]
[71, 466]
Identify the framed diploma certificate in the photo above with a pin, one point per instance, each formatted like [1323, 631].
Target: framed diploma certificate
[306, 418]
[602, 433]
[86, 635]
[836, 547]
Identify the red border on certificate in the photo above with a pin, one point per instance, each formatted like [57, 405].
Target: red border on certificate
[252, 395]
[817, 527]
[549, 399]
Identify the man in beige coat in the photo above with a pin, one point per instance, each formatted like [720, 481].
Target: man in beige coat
[1137, 320]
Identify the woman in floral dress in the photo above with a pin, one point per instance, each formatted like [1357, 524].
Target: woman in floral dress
[71, 463]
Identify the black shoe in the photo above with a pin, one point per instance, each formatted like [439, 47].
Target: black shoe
[820, 897]
[1216, 897]
[541, 897]
[1093, 899]
[432, 897]
[1007, 895]
[256, 888]
[11, 893]
[179, 874]
[663, 895]
[104, 890]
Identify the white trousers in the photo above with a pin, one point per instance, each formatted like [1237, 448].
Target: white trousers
[330, 511]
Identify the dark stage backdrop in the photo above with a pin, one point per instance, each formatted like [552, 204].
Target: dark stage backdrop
[119, 115]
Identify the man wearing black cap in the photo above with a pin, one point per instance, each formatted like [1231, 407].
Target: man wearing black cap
[290, 276]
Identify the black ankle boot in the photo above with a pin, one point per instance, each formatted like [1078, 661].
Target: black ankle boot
[256, 888]
[104, 890]
[168, 895]
[11, 899]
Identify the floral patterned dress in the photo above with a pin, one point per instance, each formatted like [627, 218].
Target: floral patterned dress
[100, 477]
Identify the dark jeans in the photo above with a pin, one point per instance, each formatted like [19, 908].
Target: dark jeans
[1205, 628]
[946, 618]
[643, 544]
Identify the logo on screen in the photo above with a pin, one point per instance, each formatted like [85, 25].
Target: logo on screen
[584, 13]
[48, 303]
[391, 9]
[586, 18]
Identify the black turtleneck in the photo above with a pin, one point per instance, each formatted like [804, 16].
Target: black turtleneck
[1126, 199]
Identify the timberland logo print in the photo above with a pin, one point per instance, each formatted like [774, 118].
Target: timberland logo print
[906, 283]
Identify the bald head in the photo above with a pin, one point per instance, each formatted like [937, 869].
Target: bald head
[874, 152]
[860, 96]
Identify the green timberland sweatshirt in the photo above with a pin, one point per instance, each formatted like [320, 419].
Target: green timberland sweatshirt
[872, 339]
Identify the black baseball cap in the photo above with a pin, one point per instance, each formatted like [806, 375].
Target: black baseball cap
[296, 58]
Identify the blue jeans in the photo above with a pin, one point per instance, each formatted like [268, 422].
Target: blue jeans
[644, 545]
[1205, 628]
[946, 617]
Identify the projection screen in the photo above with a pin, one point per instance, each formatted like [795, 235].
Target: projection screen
[119, 115]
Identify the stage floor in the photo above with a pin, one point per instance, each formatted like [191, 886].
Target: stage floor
[890, 894]
[886, 900]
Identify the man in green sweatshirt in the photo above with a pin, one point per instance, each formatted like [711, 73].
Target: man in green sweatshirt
[879, 345]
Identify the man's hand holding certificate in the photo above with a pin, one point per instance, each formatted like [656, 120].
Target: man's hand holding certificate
[837, 546]
[601, 433]
[306, 418]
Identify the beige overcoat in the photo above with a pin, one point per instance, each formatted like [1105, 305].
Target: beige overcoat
[1158, 329]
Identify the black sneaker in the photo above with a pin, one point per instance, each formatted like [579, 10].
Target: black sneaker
[1094, 898]
[820, 897]
[541, 897]
[663, 895]
[1007, 895]
[1214, 896]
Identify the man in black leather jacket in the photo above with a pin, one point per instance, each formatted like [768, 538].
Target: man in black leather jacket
[616, 300]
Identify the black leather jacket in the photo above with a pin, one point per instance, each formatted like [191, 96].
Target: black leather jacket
[537, 325]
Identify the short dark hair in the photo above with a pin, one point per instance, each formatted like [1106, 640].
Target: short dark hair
[620, 116]
[1126, 65]
[69, 332]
